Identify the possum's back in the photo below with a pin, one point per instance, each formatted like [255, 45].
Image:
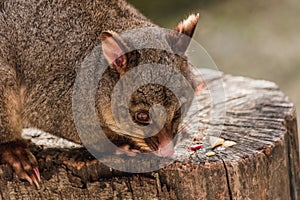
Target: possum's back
[43, 31]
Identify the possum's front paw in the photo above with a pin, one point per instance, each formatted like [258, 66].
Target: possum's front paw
[17, 155]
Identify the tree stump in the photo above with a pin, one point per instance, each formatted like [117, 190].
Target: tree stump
[264, 164]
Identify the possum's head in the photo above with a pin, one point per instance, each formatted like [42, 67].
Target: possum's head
[147, 113]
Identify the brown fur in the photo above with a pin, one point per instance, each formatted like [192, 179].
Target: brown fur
[42, 45]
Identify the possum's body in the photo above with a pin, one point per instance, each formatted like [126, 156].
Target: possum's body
[42, 45]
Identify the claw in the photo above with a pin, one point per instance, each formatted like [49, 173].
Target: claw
[26, 177]
[32, 177]
[35, 180]
[23, 162]
[37, 173]
[36, 177]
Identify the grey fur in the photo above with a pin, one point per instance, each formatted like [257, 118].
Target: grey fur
[42, 46]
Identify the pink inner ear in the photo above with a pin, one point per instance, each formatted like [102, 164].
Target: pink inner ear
[113, 51]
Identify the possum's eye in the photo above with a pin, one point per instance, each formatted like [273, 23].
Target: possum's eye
[143, 117]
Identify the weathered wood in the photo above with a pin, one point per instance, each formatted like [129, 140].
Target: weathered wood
[263, 165]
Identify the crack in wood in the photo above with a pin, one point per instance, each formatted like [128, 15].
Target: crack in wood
[128, 184]
[227, 178]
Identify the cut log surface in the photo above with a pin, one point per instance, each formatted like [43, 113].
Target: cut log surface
[264, 164]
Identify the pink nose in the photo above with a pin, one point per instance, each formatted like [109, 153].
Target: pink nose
[166, 150]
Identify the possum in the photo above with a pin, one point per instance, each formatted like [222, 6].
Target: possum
[42, 46]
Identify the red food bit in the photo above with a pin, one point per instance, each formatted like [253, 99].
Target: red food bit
[195, 147]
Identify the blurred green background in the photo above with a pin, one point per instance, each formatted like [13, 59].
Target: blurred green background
[257, 39]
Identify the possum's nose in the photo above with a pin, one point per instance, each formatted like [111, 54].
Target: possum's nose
[165, 146]
[166, 149]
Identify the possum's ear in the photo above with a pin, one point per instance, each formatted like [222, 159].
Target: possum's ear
[114, 50]
[180, 39]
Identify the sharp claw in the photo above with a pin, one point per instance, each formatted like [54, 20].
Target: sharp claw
[37, 173]
[26, 177]
[32, 178]
[22, 161]
[36, 177]
[36, 182]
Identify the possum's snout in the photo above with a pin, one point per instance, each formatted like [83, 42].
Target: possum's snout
[165, 150]
[161, 144]
[165, 144]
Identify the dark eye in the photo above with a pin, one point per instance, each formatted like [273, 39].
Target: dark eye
[143, 117]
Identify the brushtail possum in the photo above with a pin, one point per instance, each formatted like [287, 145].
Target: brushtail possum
[42, 46]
